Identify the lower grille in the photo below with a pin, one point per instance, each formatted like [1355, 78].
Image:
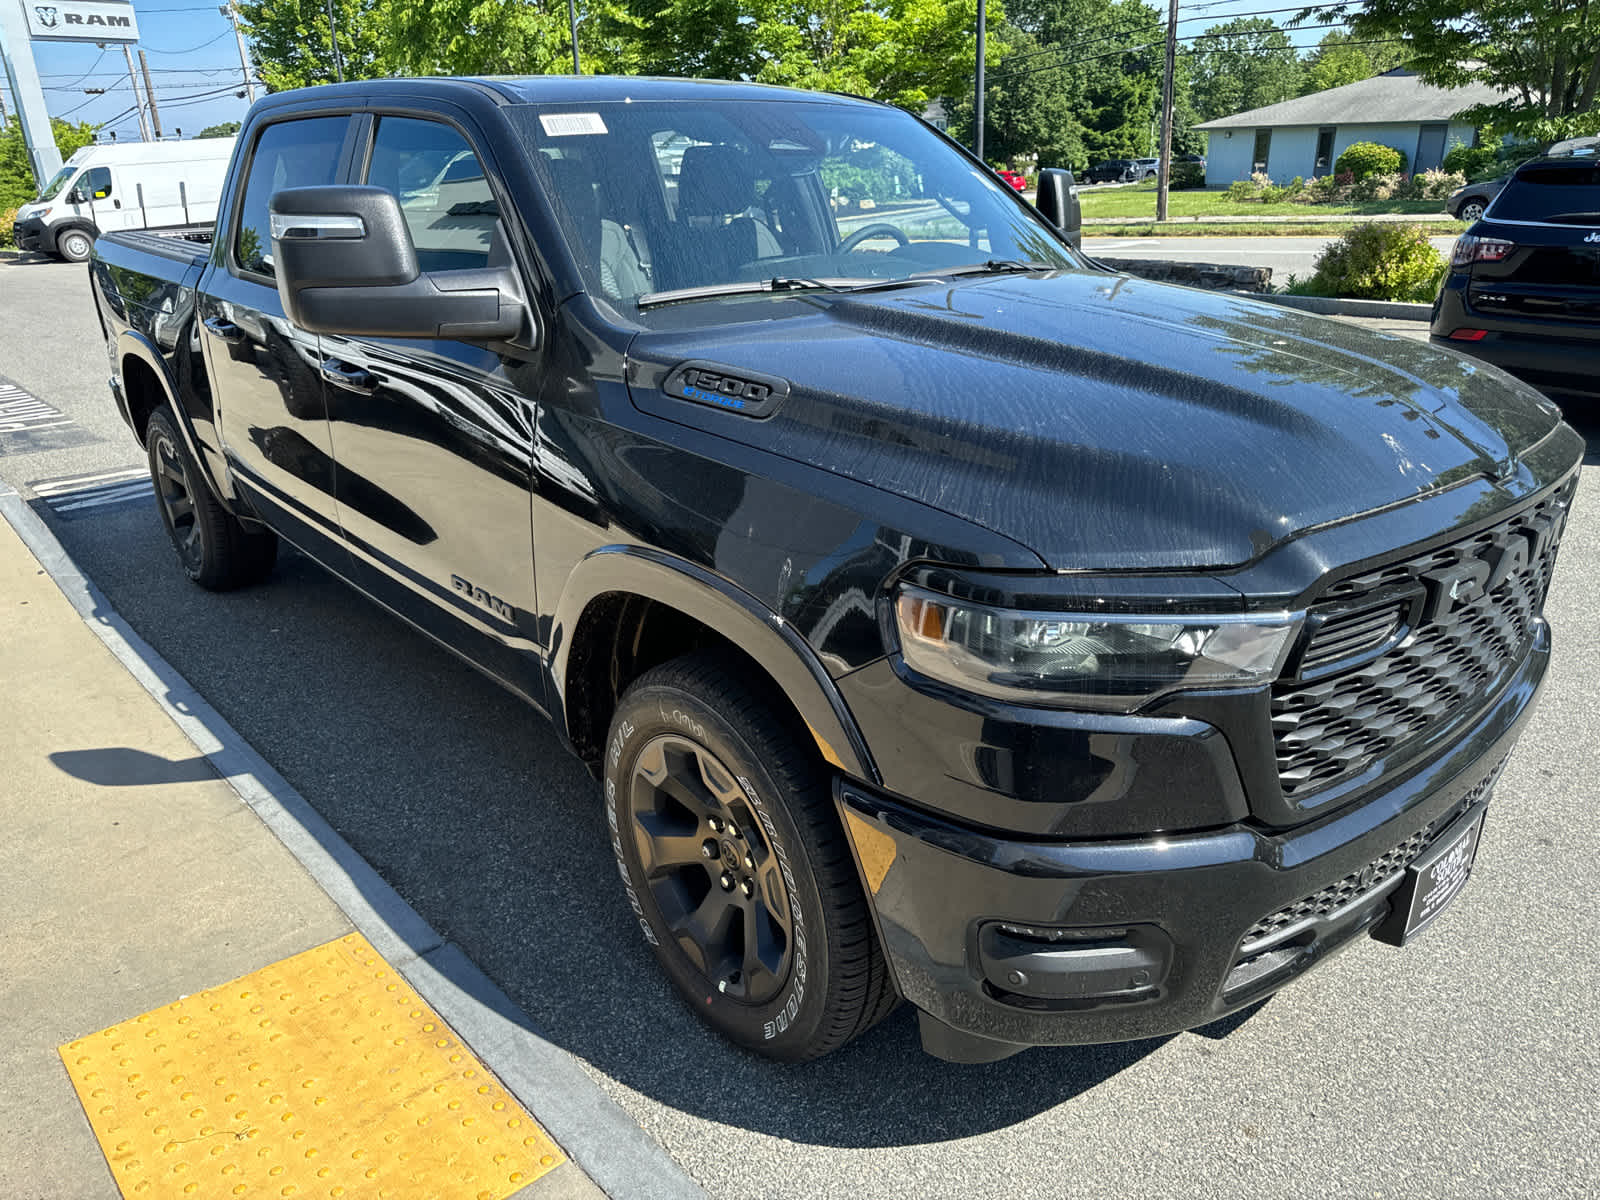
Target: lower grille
[1368, 881]
[1475, 607]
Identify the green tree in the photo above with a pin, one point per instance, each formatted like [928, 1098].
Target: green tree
[1336, 62]
[17, 184]
[291, 46]
[1071, 98]
[1544, 54]
[225, 129]
[1243, 64]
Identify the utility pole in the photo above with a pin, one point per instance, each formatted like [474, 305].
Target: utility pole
[977, 100]
[572, 20]
[133, 82]
[232, 14]
[333, 36]
[150, 93]
[1168, 87]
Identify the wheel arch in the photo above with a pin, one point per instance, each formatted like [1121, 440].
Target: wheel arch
[657, 601]
[148, 384]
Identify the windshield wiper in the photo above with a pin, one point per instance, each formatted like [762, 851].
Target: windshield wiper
[779, 283]
[995, 266]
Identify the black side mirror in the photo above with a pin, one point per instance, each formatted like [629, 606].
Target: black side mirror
[1057, 202]
[345, 264]
[76, 196]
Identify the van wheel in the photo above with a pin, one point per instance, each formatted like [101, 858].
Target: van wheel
[74, 245]
[735, 864]
[214, 549]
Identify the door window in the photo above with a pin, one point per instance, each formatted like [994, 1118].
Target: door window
[1263, 151]
[95, 183]
[444, 196]
[288, 154]
[1324, 162]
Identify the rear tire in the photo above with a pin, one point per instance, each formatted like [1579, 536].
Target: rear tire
[735, 864]
[1472, 211]
[75, 245]
[214, 548]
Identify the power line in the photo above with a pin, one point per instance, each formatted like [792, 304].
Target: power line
[192, 49]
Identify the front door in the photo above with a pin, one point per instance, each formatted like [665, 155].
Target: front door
[272, 415]
[1430, 147]
[1324, 161]
[434, 437]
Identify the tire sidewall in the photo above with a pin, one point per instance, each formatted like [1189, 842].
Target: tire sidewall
[161, 429]
[784, 1025]
[71, 237]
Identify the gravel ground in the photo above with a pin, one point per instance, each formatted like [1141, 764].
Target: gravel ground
[1462, 1066]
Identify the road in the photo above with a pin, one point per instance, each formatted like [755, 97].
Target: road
[1462, 1066]
[1285, 255]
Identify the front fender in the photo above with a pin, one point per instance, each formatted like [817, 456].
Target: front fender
[720, 605]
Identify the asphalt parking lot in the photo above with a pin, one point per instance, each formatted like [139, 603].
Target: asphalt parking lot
[1465, 1065]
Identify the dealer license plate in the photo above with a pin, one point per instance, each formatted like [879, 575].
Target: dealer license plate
[1434, 879]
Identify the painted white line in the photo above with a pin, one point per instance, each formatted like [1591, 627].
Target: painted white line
[73, 483]
[103, 499]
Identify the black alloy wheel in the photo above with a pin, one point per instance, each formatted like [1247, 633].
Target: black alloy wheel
[214, 547]
[734, 861]
[710, 868]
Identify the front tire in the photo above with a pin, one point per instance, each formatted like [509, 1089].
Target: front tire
[735, 865]
[215, 550]
[75, 245]
[1472, 211]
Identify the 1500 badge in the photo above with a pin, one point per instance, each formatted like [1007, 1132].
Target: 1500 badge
[738, 391]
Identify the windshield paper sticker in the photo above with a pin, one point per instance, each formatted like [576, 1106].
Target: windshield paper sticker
[569, 124]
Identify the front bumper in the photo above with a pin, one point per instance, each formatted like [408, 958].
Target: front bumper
[1199, 925]
[30, 233]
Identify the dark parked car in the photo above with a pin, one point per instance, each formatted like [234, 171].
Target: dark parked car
[1076, 658]
[1468, 203]
[1523, 291]
[1113, 170]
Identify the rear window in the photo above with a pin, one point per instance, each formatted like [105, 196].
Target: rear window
[1560, 195]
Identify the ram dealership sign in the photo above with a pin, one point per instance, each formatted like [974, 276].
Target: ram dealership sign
[80, 20]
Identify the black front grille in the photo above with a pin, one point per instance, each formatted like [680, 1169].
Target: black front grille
[1369, 880]
[1330, 729]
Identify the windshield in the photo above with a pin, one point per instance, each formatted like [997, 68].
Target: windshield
[1561, 195]
[697, 194]
[57, 182]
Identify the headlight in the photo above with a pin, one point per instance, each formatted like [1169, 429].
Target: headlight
[1082, 660]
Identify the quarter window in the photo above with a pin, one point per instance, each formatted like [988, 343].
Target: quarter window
[445, 198]
[288, 154]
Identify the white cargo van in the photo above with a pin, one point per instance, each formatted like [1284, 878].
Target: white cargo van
[138, 185]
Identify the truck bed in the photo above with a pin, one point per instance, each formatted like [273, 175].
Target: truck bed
[182, 243]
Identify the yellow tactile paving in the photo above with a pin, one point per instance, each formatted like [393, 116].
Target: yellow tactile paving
[320, 1076]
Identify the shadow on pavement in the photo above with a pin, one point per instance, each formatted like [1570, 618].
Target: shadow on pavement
[122, 766]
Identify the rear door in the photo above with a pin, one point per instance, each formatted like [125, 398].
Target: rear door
[272, 416]
[434, 437]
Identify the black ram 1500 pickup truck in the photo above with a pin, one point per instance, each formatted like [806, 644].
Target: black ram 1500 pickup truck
[946, 619]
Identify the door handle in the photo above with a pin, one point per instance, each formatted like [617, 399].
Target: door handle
[351, 379]
[226, 330]
[116, 204]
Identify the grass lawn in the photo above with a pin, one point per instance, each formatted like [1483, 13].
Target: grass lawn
[1144, 229]
[1141, 202]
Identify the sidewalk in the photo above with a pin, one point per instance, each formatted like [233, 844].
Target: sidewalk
[137, 884]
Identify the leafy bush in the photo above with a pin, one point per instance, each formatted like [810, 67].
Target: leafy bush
[1243, 189]
[7, 216]
[1437, 185]
[1380, 261]
[1473, 162]
[1362, 159]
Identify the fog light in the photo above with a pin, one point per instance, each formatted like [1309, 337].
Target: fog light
[1041, 966]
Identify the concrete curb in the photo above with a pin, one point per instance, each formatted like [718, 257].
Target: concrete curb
[598, 1135]
[1393, 310]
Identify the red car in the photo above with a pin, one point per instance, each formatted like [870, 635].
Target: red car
[1015, 178]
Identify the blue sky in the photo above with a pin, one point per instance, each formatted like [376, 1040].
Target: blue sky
[192, 53]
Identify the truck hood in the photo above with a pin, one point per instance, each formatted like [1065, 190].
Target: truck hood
[1102, 421]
